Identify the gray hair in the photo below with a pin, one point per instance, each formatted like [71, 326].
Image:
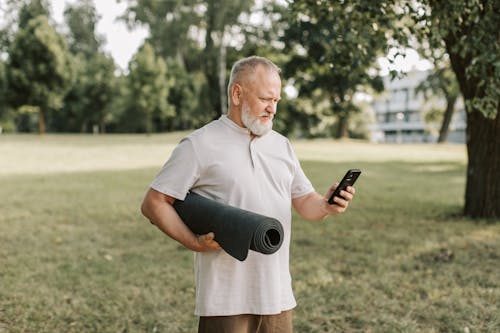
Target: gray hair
[245, 67]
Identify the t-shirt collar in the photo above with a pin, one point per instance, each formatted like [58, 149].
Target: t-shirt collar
[225, 119]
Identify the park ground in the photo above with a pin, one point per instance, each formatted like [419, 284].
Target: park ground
[77, 256]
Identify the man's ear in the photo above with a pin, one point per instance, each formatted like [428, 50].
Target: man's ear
[236, 94]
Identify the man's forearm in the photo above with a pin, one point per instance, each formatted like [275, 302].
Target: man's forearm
[311, 206]
[163, 215]
[314, 206]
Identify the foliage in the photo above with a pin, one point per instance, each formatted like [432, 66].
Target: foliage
[39, 68]
[196, 35]
[219, 18]
[174, 28]
[334, 45]
[87, 102]
[4, 38]
[465, 30]
[440, 82]
[186, 97]
[148, 88]
[31, 9]
[3, 89]
[81, 19]
[169, 24]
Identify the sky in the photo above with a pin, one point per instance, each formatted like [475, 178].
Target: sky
[122, 43]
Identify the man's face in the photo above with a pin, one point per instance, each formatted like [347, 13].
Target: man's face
[261, 95]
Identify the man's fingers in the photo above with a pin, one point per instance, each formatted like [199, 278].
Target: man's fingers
[208, 240]
[341, 202]
[330, 191]
[346, 195]
[333, 187]
[351, 190]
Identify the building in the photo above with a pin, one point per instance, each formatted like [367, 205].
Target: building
[399, 113]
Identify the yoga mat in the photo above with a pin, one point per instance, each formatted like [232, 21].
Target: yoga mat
[236, 230]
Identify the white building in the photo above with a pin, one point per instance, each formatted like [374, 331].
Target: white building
[399, 113]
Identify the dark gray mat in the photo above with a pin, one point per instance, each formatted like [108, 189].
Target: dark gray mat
[235, 229]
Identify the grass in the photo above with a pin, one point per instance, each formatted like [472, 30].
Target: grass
[76, 255]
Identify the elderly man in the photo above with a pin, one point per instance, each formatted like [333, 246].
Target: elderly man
[240, 161]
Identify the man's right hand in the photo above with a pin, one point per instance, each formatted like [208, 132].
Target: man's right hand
[157, 207]
[207, 243]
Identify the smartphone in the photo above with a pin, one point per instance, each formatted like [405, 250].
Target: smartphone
[348, 180]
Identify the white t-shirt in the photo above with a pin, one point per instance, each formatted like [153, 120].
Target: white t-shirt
[220, 161]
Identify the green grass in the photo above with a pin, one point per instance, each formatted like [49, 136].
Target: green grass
[77, 256]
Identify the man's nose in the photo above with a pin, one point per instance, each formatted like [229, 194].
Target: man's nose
[271, 107]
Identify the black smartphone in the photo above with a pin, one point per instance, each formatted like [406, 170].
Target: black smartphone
[348, 180]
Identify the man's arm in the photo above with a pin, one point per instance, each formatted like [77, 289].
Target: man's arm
[157, 207]
[314, 207]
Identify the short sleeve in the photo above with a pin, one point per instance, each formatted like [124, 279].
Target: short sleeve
[179, 173]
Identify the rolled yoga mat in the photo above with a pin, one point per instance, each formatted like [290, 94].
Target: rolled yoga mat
[236, 230]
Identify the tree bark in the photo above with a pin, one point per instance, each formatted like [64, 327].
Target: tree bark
[448, 115]
[482, 193]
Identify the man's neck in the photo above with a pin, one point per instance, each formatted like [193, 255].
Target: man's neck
[234, 116]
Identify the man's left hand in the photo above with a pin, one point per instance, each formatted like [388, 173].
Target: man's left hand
[340, 204]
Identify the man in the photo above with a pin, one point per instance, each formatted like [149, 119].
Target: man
[240, 161]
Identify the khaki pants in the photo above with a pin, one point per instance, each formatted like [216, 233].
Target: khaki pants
[247, 323]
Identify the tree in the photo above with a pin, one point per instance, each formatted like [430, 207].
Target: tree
[220, 15]
[169, 23]
[334, 45]
[185, 95]
[469, 32]
[3, 90]
[442, 82]
[148, 88]
[31, 9]
[87, 102]
[81, 19]
[39, 69]
[173, 27]
[195, 34]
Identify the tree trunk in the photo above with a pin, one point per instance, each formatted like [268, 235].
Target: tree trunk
[222, 74]
[342, 127]
[41, 123]
[83, 127]
[210, 61]
[482, 193]
[448, 115]
[149, 122]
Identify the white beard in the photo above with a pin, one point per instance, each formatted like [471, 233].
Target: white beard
[253, 123]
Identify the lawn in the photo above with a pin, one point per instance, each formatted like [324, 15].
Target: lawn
[77, 256]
